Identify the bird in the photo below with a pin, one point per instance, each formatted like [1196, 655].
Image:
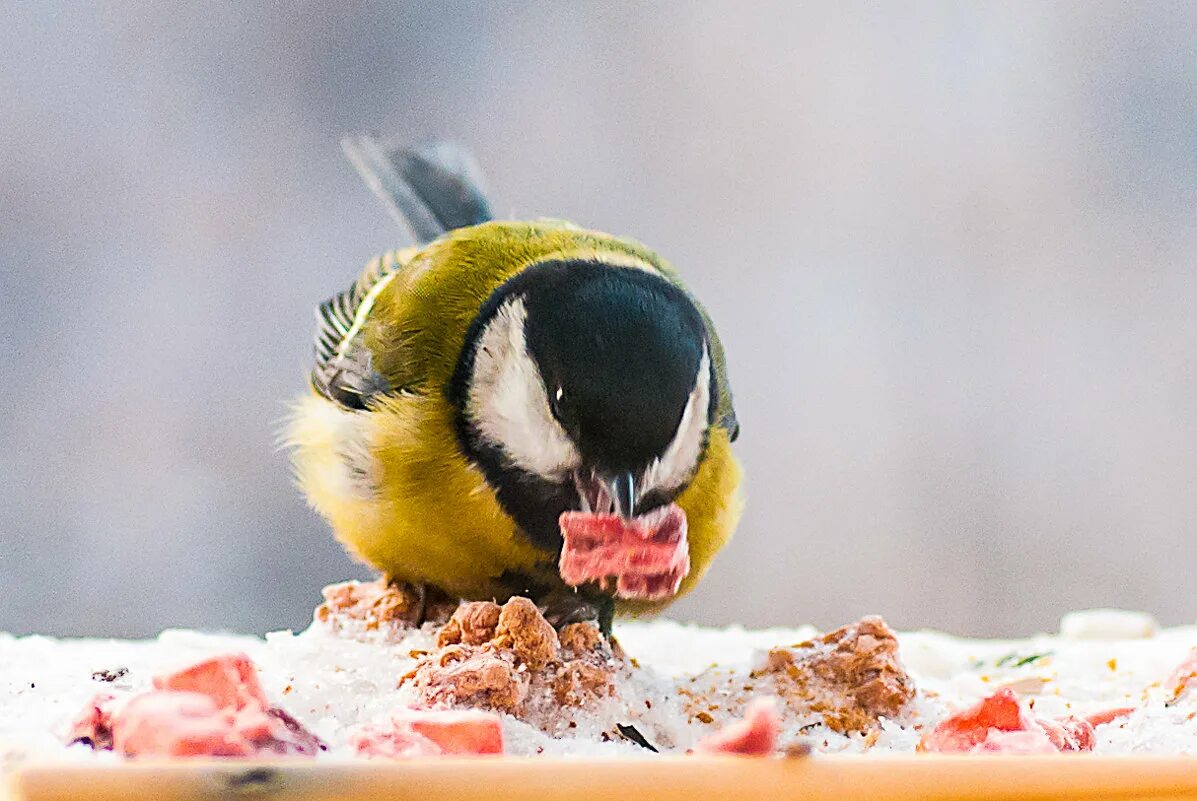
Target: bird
[471, 389]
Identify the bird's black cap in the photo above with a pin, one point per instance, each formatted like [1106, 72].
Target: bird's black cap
[618, 349]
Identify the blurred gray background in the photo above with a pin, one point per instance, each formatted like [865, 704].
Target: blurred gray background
[951, 249]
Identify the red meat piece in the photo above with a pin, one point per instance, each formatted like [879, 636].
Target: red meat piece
[230, 680]
[392, 742]
[1015, 742]
[967, 729]
[647, 556]
[179, 724]
[214, 708]
[1069, 733]
[999, 724]
[431, 732]
[755, 735]
[457, 732]
[168, 723]
[1109, 715]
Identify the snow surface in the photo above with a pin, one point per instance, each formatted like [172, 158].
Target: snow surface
[332, 683]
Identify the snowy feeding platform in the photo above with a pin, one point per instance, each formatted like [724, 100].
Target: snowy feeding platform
[364, 703]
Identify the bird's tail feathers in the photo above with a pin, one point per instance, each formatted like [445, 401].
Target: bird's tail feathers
[431, 189]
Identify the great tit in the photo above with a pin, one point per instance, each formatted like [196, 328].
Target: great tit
[471, 389]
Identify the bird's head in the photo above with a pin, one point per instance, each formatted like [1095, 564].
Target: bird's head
[585, 386]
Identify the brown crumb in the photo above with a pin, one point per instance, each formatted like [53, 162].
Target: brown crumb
[379, 605]
[372, 603]
[580, 638]
[498, 658]
[578, 681]
[851, 676]
[473, 623]
[523, 629]
[705, 717]
[471, 676]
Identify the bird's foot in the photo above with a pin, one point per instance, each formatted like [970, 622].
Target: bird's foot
[564, 607]
[606, 617]
[428, 602]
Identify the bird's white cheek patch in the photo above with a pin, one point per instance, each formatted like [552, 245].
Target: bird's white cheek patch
[680, 459]
[508, 405]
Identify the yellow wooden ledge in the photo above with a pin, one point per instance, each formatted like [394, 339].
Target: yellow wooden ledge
[829, 778]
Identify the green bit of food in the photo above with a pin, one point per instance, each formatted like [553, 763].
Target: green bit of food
[1017, 661]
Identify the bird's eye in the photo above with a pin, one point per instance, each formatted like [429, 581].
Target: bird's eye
[556, 404]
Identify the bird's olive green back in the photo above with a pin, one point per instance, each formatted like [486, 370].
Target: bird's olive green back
[419, 321]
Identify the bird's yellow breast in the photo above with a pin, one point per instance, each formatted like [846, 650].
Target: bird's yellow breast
[404, 498]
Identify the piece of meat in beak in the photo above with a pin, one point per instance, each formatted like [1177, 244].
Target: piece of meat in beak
[642, 557]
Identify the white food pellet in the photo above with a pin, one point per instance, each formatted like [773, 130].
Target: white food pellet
[1107, 624]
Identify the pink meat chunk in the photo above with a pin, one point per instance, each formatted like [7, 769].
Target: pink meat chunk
[1069, 733]
[431, 732]
[230, 681]
[1109, 715]
[1014, 742]
[391, 742]
[999, 724]
[214, 708]
[647, 557]
[755, 735]
[457, 731]
[181, 724]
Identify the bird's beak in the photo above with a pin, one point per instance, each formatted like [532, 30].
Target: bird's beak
[623, 492]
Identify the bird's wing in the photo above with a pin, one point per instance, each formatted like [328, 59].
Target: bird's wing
[344, 372]
[433, 189]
